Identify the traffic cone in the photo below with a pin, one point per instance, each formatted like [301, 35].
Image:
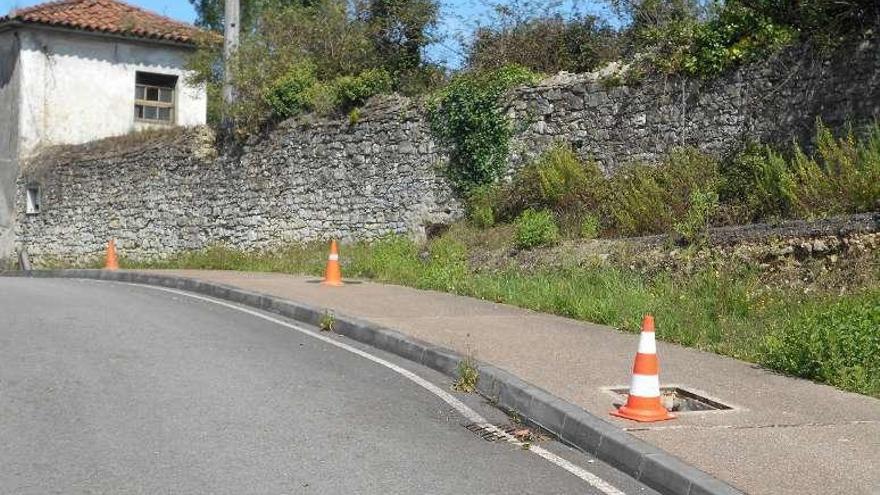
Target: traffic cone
[112, 263]
[333, 273]
[643, 402]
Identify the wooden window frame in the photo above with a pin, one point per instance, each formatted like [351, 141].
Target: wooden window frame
[171, 105]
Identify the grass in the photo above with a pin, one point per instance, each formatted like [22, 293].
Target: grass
[729, 311]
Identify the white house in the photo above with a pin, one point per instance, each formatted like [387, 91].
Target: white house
[73, 71]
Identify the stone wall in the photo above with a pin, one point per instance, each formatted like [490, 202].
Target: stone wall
[313, 179]
[165, 193]
[775, 101]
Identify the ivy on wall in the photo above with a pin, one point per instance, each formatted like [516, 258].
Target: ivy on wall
[466, 117]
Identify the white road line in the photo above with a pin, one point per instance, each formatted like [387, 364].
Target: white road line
[473, 416]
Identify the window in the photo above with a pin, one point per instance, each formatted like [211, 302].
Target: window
[154, 98]
[34, 199]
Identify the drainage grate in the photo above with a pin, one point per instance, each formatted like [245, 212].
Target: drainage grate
[680, 400]
[492, 433]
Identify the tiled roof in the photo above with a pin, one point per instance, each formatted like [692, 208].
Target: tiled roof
[105, 16]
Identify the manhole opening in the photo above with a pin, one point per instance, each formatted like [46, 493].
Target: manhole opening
[677, 399]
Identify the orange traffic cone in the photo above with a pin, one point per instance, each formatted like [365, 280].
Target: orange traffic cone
[333, 274]
[112, 263]
[643, 403]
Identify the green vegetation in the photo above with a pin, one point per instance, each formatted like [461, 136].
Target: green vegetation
[542, 41]
[328, 321]
[841, 176]
[299, 90]
[700, 38]
[836, 341]
[329, 56]
[688, 191]
[536, 228]
[289, 95]
[730, 310]
[695, 225]
[324, 56]
[466, 118]
[683, 43]
[468, 375]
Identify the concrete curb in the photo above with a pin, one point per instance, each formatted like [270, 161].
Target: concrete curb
[571, 424]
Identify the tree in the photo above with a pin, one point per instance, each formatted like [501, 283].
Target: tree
[826, 19]
[545, 44]
[210, 12]
[401, 29]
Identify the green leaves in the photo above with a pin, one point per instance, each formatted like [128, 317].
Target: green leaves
[466, 118]
[290, 94]
[536, 228]
[352, 91]
[736, 35]
[837, 343]
[299, 91]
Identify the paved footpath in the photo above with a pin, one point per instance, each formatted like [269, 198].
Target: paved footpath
[784, 435]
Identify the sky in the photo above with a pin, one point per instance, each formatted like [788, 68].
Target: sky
[457, 19]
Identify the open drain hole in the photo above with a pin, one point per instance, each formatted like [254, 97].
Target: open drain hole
[519, 432]
[677, 399]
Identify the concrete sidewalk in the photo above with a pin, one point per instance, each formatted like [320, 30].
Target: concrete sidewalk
[784, 435]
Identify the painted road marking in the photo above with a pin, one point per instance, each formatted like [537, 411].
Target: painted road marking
[472, 416]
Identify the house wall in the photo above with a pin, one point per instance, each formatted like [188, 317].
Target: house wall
[80, 87]
[9, 97]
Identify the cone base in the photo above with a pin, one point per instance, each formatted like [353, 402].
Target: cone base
[332, 284]
[643, 415]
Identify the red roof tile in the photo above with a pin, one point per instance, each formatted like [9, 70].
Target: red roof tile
[106, 16]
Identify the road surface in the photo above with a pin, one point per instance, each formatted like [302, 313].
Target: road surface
[123, 389]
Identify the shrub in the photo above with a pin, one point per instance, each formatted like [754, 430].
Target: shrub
[677, 37]
[352, 91]
[557, 180]
[646, 199]
[842, 176]
[839, 344]
[466, 118]
[543, 43]
[736, 36]
[354, 116]
[694, 227]
[289, 95]
[323, 98]
[824, 21]
[590, 227]
[481, 205]
[758, 182]
[536, 228]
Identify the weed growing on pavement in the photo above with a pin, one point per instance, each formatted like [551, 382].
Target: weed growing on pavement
[327, 322]
[468, 375]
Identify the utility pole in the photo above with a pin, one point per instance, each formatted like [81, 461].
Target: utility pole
[231, 28]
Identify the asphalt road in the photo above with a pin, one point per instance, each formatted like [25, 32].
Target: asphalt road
[114, 388]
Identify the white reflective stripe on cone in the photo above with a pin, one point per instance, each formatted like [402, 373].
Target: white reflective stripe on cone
[333, 257]
[645, 386]
[647, 343]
